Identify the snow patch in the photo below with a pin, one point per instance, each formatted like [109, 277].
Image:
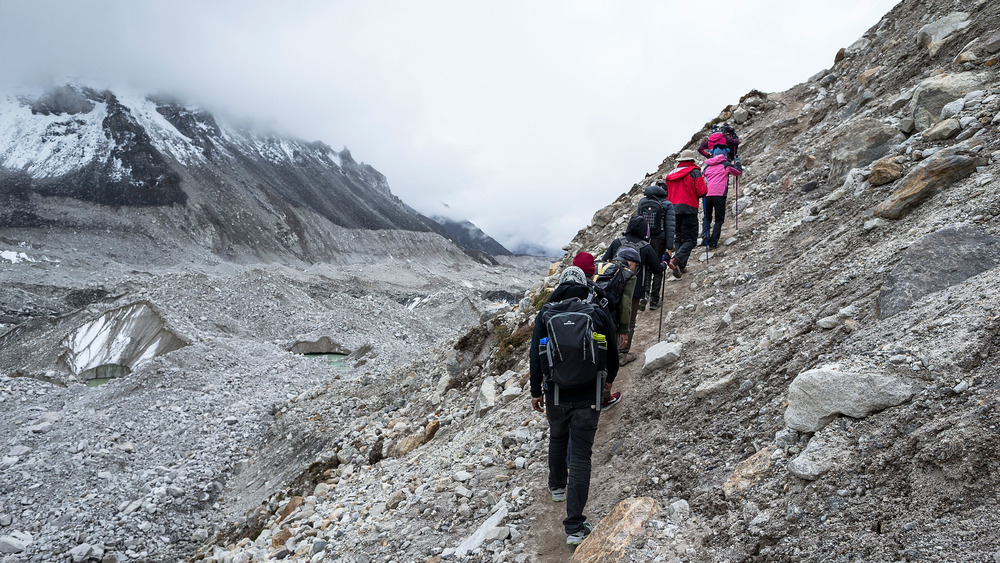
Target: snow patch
[15, 257]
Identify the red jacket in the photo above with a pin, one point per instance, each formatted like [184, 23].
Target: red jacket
[685, 184]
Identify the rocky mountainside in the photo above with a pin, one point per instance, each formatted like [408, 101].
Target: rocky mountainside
[74, 158]
[467, 235]
[825, 386]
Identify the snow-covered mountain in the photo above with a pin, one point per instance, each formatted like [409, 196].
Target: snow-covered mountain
[82, 159]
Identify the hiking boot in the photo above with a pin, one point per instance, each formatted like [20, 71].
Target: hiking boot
[611, 400]
[654, 306]
[626, 358]
[558, 494]
[675, 270]
[577, 537]
[642, 304]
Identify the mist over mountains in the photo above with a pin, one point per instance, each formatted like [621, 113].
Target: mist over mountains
[228, 190]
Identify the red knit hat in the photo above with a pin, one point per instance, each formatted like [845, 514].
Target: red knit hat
[585, 261]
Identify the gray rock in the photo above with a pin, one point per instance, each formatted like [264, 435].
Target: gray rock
[992, 43]
[857, 143]
[938, 33]
[679, 511]
[962, 387]
[928, 178]
[875, 223]
[931, 95]
[462, 476]
[951, 109]
[906, 125]
[825, 452]
[934, 262]
[714, 386]
[816, 397]
[943, 130]
[498, 533]
[5, 520]
[16, 542]
[477, 538]
[487, 398]
[786, 437]
[741, 116]
[81, 552]
[661, 354]
[317, 546]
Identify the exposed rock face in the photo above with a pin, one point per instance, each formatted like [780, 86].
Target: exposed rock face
[611, 539]
[934, 262]
[818, 396]
[858, 143]
[932, 176]
[932, 94]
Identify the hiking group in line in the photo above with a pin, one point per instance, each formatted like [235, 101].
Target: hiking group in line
[584, 331]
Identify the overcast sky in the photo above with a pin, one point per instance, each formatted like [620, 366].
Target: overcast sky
[524, 117]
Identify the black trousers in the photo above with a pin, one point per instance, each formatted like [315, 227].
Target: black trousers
[652, 281]
[572, 427]
[715, 205]
[686, 237]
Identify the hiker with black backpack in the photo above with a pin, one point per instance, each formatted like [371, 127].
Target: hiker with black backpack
[572, 361]
[659, 214]
[635, 237]
[717, 171]
[616, 281]
[685, 184]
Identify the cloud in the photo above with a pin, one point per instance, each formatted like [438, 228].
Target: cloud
[524, 117]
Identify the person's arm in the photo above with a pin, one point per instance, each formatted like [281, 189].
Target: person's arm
[651, 260]
[700, 187]
[535, 366]
[609, 254]
[670, 222]
[703, 149]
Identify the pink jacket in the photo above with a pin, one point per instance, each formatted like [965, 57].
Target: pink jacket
[717, 171]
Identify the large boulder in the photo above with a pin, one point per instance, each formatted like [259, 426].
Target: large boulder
[818, 396]
[927, 179]
[940, 32]
[934, 262]
[932, 94]
[857, 144]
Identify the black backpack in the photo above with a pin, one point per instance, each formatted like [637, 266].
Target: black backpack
[574, 354]
[656, 219]
[610, 279]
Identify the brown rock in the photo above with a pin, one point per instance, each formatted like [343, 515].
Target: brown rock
[867, 75]
[810, 162]
[991, 61]
[432, 428]
[927, 179]
[611, 538]
[279, 539]
[748, 472]
[840, 55]
[885, 170]
[409, 443]
[292, 504]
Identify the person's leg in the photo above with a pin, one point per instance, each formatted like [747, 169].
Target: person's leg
[660, 246]
[687, 226]
[559, 428]
[583, 427]
[719, 210]
[631, 327]
[706, 221]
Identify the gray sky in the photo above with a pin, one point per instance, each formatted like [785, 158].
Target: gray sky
[524, 117]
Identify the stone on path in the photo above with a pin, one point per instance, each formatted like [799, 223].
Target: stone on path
[885, 170]
[661, 354]
[818, 396]
[612, 536]
[748, 472]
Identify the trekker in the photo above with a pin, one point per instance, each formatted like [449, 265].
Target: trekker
[717, 171]
[685, 184]
[571, 409]
[617, 280]
[659, 214]
[585, 261]
[725, 135]
[635, 238]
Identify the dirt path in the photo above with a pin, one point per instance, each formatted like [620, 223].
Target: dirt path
[546, 538]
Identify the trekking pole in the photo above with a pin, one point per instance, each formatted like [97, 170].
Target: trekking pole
[736, 206]
[663, 283]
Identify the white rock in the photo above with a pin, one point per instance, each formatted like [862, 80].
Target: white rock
[714, 386]
[477, 538]
[462, 476]
[816, 397]
[661, 354]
